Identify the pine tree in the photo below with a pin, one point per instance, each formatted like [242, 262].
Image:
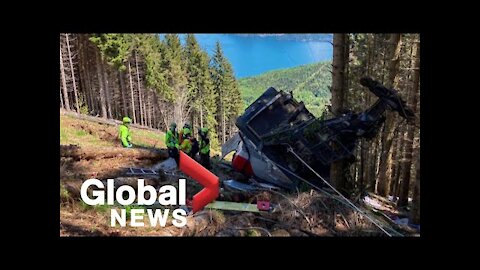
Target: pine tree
[412, 102]
[103, 105]
[415, 212]
[339, 66]
[132, 98]
[218, 74]
[357, 99]
[225, 85]
[70, 60]
[66, 102]
[394, 47]
[156, 70]
[177, 78]
[137, 54]
[208, 109]
[194, 80]
[113, 50]
[155, 75]
[84, 46]
[139, 87]
[200, 88]
[232, 99]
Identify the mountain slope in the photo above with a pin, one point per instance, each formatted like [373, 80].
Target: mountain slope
[309, 83]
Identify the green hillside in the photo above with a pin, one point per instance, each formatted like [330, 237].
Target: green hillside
[309, 83]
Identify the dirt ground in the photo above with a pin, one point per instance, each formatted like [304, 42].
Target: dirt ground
[298, 214]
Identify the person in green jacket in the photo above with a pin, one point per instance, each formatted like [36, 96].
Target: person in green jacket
[204, 148]
[124, 133]
[185, 129]
[171, 140]
[186, 145]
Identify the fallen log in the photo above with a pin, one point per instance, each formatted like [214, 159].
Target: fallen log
[111, 122]
[87, 153]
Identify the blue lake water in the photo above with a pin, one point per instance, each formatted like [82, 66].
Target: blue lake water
[253, 55]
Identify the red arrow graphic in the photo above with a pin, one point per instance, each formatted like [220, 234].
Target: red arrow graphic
[203, 176]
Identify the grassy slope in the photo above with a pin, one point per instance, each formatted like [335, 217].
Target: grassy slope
[76, 217]
[309, 83]
[86, 133]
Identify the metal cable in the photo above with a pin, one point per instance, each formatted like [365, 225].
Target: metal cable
[325, 192]
[290, 149]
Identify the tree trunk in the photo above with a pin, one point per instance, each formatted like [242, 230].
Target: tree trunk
[107, 91]
[346, 61]
[64, 83]
[384, 58]
[387, 135]
[131, 92]
[393, 164]
[201, 115]
[88, 89]
[145, 105]
[149, 93]
[415, 213]
[337, 172]
[372, 173]
[178, 112]
[361, 167]
[100, 84]
[368, 144]
[85, 68]
[368, 167]
[338, 72]
[371, 52]
[142, 122]
[91, 91]
[122, 92]
[83, 79]
[223, 125]
[117, 105]
[406, 168]
[399, 161]
[366, 147]
[61, 98]
[73, 74]
[155, 117]
[192, 121]
[95, 92]
[145, 118]
[403, 199]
